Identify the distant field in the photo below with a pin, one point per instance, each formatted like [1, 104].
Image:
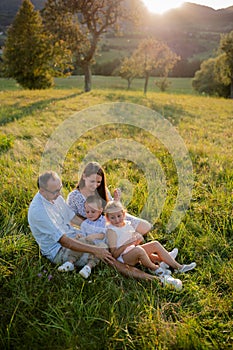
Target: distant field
[178, 85]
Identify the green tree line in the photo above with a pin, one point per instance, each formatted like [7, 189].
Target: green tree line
[66, 35]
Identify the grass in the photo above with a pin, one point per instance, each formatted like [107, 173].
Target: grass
[178, 85]
[42, 309]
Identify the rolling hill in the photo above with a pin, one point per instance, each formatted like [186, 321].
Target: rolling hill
[192, 31]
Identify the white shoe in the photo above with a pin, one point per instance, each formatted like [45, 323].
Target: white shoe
[169, 280]
[85, 272]
[186, 268]
[161, 272]
[67, 266]
[173, 254]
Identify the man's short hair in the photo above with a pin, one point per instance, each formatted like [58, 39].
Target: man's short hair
[45, 177]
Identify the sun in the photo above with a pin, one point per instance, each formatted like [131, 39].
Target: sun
[161, 6]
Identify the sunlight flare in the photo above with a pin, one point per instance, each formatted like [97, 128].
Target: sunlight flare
[162, 6]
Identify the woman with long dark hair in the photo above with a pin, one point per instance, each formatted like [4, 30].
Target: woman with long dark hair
[93, 182]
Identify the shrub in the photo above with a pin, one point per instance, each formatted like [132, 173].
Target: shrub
[6, 142]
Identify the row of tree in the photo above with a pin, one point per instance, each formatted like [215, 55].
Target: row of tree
[182, 69]
[66, 34]
[151, 56]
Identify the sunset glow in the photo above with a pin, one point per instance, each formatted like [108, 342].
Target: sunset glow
[161, 6]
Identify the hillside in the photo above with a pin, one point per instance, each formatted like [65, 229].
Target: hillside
[9, 8]
[192, 31]
[44, 310]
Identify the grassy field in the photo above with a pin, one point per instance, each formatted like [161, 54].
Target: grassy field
[42, 309]
[177, 85]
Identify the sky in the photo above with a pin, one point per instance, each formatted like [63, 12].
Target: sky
[161, 6]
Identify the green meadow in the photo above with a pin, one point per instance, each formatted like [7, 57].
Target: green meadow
[177, 85]
[41, 308]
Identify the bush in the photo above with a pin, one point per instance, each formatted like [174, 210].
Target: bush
[106, 68]
[34, 82]
[206, 81]
[6, 142]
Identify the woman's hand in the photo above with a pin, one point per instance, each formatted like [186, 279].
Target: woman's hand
[117, 194]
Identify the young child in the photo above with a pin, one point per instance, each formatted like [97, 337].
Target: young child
[92, 232]
[125, 245]
[94, 227]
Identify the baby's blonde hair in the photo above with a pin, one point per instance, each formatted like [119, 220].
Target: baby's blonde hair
[113, 207]
[96, 200]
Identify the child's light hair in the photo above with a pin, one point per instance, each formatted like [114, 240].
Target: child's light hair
[96, 200]
[113, 207]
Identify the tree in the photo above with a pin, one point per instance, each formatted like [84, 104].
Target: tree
[81, 23]
[129, 70]
[207, 79]
[163, 84]
[226, 71]
[215, 76]
[153, 56]
[28, 54]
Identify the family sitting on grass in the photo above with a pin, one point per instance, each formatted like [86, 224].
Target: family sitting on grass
[93, 226]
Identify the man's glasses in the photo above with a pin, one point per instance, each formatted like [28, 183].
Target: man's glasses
[54, 192]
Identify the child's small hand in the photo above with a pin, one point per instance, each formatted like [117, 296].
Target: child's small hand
[89, 238]
[138, 238]
[117, 194]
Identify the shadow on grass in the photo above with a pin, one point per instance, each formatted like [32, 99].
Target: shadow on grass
[172, 112]
[15, 112]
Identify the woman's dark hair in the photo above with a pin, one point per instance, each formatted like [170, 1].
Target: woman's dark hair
[95, 168]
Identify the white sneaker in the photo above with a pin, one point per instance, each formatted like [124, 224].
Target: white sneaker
[67, 266]
[161, 272]
[169, 280]
[85, 272]
[173, 254]
[186, 268]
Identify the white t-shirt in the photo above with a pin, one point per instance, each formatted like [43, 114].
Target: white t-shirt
[49, 222]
